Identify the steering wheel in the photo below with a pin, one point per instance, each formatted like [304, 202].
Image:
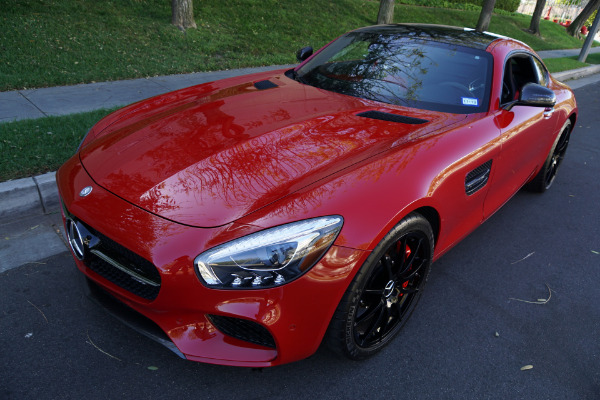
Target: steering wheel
[477, 84]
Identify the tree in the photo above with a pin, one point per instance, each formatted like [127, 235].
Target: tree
[578, 22]
[386, 12]
[534, 25]
[182, 14]
[486, 15]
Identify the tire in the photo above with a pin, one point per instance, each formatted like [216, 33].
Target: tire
[544, 179]
[384, 292]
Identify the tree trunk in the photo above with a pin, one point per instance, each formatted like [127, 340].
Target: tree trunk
[486, 15]
[534, 26]
[386, 12]
[182, 14]
[587, 11]
[587, 45]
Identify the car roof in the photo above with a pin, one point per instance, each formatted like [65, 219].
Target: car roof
[466, 37]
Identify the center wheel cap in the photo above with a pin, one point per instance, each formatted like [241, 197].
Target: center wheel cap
[389, 289]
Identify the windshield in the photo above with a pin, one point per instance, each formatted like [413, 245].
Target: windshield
[398, 69]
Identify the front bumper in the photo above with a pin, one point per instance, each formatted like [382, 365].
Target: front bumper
[295, 315]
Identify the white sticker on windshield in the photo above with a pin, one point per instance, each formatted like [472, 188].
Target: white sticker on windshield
[470, 101]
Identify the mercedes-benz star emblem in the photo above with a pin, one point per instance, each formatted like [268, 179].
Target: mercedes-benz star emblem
[85, 191]
[75, 239]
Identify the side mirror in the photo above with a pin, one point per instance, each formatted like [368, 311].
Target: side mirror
[304, 53]
[535, 95]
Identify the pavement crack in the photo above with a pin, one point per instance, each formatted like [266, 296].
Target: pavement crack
[32, 103]
[60, 235]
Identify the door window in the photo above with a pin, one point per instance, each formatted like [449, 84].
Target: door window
[518, 71]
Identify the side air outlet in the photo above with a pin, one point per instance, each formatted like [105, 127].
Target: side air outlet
[384, 116]
[478, 178]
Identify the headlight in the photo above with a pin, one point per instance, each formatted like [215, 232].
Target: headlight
[268, 258]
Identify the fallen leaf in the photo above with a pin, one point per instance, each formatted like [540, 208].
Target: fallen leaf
[526, 367]
[539, 301]
[497, 334]
[152, 368]
[595, 252]
[527, 256]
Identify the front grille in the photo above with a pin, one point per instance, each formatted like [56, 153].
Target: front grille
[121, 266]
[243, 329]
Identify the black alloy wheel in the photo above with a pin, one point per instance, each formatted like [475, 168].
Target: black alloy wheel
[557, 156]
[544, 179]
[385, 291]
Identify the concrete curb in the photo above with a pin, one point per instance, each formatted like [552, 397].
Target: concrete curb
[37, 195]
[577, 73]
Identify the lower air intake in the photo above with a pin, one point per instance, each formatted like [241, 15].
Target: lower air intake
[242, 329]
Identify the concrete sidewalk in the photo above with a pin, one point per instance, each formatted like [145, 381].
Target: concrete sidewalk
[565, 53]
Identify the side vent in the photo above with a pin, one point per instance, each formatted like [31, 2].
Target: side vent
[392, 117]
[478, 178]
[262, 85]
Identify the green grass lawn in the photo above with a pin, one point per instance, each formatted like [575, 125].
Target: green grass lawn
[34, 146]
[59, 42]
[567, 63]
[563, 64]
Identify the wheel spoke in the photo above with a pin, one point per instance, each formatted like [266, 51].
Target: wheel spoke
[402, 253]
[414, 253]
[388, 266]
[376, 324]
[403, 304]
[562, 144]
[408, 290]
[368, 314]
[412, 272]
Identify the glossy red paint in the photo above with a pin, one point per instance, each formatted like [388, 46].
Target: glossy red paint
[181, 307]
[180, 173]
[238, 148]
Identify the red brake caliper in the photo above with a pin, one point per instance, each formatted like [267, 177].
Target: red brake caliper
[406, 255]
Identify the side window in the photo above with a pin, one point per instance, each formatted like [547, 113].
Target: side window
[518, 71]
[541, 72]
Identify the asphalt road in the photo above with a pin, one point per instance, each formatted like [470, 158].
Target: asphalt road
[468, 339]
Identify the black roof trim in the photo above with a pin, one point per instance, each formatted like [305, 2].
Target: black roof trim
[438, 33]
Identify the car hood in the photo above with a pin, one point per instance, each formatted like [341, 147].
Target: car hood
[208, 155]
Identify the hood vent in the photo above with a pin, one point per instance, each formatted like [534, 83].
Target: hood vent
[392, 117]
[262, 85]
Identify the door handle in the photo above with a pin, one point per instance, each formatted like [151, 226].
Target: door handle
[548, 112]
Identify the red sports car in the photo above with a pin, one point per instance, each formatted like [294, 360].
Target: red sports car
[244, 221]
